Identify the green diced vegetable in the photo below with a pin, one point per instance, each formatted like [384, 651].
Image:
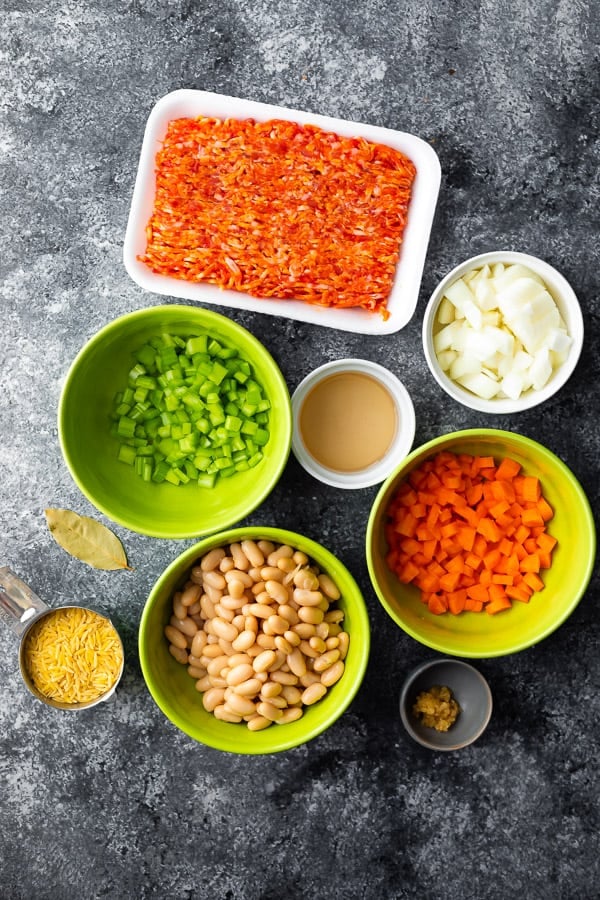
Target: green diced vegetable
[191, 412]
[127, 454]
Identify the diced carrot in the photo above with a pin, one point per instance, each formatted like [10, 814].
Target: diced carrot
[456, 601]
[469, 534]
[466, 537]
[533, 580]
[506, 547]
[508, 469]
[437, 605]
[488, 528]
[473, 605]
[408, 572]
[449, 581]
[531, 488]
[496, 606]
[492, 558]
[530, 563]
[544, 509]
[502, 578]
[546, 542]
[531, 517]
[496, 592]
[516, 592]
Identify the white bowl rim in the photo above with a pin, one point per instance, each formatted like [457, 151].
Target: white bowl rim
[570, 309]
[400, 446]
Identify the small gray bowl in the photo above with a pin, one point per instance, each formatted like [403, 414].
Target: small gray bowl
[470, 690]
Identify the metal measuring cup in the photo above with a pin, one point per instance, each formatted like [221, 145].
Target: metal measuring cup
[22, 608]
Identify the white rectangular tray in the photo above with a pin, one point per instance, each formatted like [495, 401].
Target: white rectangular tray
[405, 291]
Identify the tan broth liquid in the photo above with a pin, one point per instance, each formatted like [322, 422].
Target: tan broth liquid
[348, 421]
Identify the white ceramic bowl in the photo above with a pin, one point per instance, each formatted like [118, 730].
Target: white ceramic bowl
[568, 306]
[400, 446]
[405, 291]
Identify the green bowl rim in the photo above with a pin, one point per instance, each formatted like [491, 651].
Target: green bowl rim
[469, 434]
[318, 550]
[97, 338]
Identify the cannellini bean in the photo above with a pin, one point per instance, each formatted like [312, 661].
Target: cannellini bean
[304, 630]
[343, 643]
[264, 660]
[292, 638]
[291, 714]
[284, 678]
[266, 641]
[249, 688]
[239, 575]
[187, 625]
[178, 653]
[297, 662]
[213, 593]
[326, 660]
[236, 588]
[317, 643]
[283, 551]
[335, 616]
[212, 559]
[286, 564]
[266, 547]
[176, 637]
[313, 693]
[179, 610]
[239, 673]
[254, 627]
[216, 665]
[333, 673]
[270, 689]
[257, 723]
[283, 645]
[240, 705]
[196, 671]
[221, 712]
[260, 610]
[291, 694]
[268, 710]
[308, 678]
[278, 624]
[212, 698]
[253, 553]
[239, 557]
[310, 614]
[277, 591]
[244, 640]
[224, 629]
[328, 586]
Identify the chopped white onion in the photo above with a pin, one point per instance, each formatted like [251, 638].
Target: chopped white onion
[501, 332]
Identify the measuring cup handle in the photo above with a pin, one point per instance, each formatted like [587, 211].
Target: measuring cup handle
[18, 603]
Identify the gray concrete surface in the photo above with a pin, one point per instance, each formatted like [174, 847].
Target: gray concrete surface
[115, 802]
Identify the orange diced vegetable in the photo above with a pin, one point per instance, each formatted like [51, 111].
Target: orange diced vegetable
[456, 531]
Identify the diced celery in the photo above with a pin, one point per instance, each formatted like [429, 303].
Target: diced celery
[127, 454]
[191, 411]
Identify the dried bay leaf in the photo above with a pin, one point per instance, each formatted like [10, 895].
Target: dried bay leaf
[86, 539]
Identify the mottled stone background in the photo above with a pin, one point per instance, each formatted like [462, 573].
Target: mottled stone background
[115, 802]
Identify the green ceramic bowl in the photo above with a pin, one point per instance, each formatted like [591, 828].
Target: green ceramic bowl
[477, 634]
[174, 690]
[162, 510]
